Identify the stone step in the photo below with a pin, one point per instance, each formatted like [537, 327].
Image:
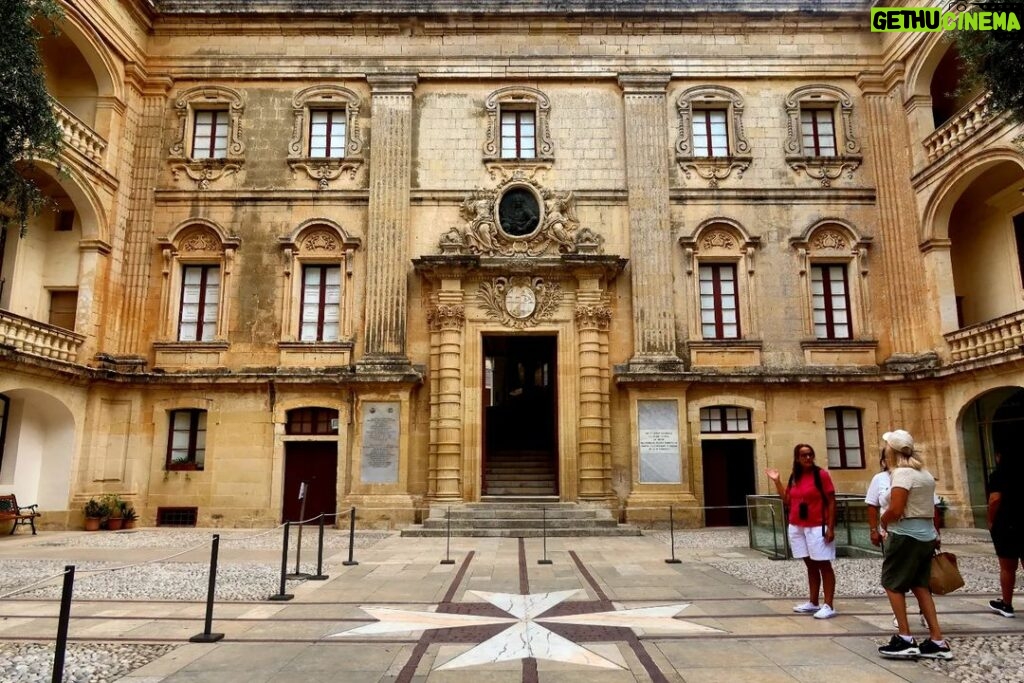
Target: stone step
[520, 490]
[622, 530]
[519, 523]
[520, 502]
[527, 513]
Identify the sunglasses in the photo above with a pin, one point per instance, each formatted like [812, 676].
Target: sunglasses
[806, 455]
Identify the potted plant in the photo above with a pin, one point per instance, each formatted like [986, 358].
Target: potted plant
[942, 506]
[113, 504]
[129, 515]
[95, 511]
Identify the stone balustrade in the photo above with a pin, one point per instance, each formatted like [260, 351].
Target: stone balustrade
[39, 339]
[962, 126]
[78, 135]
[987, 338]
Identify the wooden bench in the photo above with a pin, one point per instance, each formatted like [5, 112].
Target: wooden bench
[19, 514]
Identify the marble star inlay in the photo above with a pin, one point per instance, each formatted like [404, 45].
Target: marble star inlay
[525, 636]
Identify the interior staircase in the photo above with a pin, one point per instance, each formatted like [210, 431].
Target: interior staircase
[521, 517]
[520, 473]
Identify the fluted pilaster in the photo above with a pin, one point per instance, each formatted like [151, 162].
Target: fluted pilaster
[647, 170]
[446, 320]
[387, 234]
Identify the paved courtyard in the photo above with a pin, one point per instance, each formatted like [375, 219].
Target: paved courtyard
[604, 609]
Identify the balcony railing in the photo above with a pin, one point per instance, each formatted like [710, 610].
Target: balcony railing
[987, 338]
[79, 135]
[38, 339]
[954, 132]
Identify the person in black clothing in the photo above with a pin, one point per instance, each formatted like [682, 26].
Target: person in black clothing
[1006, 524]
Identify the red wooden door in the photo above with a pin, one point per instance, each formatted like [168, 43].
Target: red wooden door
[315, 462]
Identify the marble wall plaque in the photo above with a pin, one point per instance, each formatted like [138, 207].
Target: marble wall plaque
[658, 442]
[379, 454]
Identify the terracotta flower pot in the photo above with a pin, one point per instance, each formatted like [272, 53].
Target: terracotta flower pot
[114, 523]
[92, 523]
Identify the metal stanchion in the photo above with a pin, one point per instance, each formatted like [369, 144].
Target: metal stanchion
[775, 537]
[448, 539]
[319, 576]
[672, 537]
[281, 595]
[544, 535]
[61, 645]
[206, 636]
[303, 489]
[351, 537]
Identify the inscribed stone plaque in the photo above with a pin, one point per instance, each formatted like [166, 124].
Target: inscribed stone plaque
[658, 423]
[380, 443]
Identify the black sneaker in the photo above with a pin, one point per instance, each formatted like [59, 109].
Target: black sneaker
[899, 648]
[932, 650]
[1000, 607]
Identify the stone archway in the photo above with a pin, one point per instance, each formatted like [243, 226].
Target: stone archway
[38, 450]
[991, 426]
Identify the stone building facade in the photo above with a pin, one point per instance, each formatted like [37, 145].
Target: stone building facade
[632, 251]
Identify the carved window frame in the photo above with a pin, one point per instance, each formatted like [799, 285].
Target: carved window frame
[722, 240]
[712, 169]
[824, 169]
[518, 98]
[834, 241]
[318, 241]
[206, 98]
[325, 170]
[196, 242]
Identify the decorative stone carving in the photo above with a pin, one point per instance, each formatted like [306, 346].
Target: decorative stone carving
[519, 301]
[518, 97]
[828, 239]
[205, 171]
[201, 241]
[822, 168]
[712, 169]
[826, 169]
[599, 317]
[504, 222]
[718, 239]
[320, 240]
[445, 317]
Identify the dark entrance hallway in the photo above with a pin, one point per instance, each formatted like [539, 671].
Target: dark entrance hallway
[728, 480]
[520, 406]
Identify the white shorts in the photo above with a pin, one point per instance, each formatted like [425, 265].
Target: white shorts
[809, 541]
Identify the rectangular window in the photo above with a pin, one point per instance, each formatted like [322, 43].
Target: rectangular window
[327, 133]
[321, 303]
[724, 419]
[818, 132]
[518, 134]
[186, 441]
[65, 221]
[830, 302]
[1018, 231]
[63, 306]
[719, 317]
[710, 133]
[843, 438]
[5, 409]
[200, 296]
[210, 134]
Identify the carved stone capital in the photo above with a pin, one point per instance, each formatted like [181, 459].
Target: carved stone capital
[446, 317]
[593, 317]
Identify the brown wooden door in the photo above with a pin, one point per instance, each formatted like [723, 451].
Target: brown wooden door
[728, 468]
[315, 462]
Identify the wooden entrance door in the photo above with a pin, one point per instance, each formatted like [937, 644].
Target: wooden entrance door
[728, 479]
[315, 462]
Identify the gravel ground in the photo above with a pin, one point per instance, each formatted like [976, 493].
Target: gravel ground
[268, 539]
[83, 662]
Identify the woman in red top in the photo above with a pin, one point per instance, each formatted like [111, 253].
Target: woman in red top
[811, 498]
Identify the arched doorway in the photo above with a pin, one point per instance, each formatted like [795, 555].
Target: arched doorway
[310, 464]
[991, 427]
[38, 448]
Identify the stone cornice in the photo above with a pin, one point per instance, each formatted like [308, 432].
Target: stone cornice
[392, 83]
[644, 83]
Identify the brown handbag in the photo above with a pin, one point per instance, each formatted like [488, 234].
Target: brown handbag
[945, 577]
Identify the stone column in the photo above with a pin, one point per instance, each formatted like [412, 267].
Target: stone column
[648, 150]
[592, 320]
[898, 227]
[389, 222]
[446, 322]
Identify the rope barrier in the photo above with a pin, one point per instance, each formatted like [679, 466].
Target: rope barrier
[31, 585]
[141, 564]
[247, 538]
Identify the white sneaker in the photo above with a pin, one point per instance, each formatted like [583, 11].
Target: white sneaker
[807, 608]
[826, 612]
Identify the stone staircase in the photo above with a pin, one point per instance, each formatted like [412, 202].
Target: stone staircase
[520, 473]
[521, 517]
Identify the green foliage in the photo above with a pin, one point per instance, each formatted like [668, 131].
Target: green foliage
[113, 503]
[128, 511]
[994, 60]
[28, 128]
[95, 508]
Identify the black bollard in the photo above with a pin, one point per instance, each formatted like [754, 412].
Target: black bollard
[319, 576]
[281, 595]
[544, 535]
[448, 542]
[206, 636]
[62, 624]
[672, 537]
[351, 537]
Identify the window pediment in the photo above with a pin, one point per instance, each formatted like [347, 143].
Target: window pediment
[846, 156]
[513, 99]
[712, 165]
[331, 166]
[208, 98]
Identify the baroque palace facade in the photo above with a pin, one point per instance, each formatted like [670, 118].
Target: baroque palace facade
[633, 251]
